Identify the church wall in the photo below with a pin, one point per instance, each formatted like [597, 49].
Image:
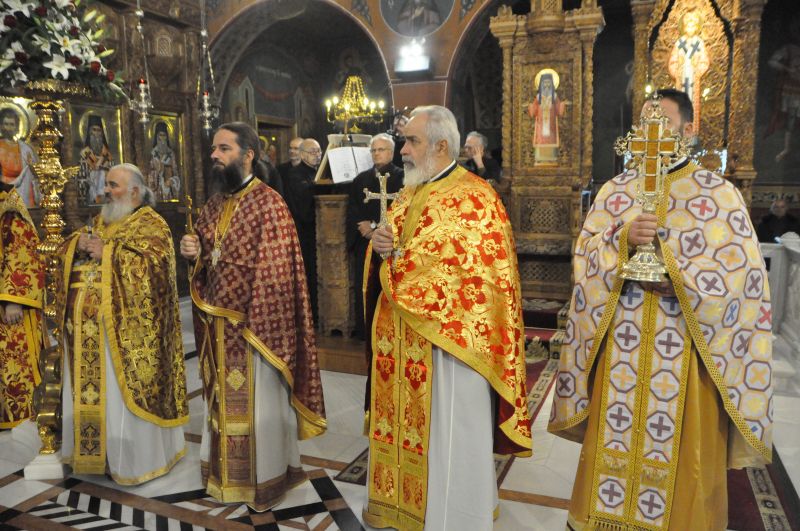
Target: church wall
[385, 23]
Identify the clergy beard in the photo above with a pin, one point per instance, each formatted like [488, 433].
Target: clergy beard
[227, 179]
[115, 210]
[416, 175]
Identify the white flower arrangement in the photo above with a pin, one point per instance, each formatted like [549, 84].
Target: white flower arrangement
[54, 39]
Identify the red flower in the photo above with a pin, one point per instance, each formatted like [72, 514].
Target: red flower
[95, 67]
[41, 11]
[416, 373]
[471, 293]
[74, 31]
[21, 57]
[110, 75]
[10, 21]
[75, 61]
[20, 278]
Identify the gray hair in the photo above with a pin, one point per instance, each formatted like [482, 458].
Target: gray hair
[384, 137]
[483, 138]
[137, 179]
[441, 126]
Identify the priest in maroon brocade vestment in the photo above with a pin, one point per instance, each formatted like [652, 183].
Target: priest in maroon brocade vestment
[253, 326]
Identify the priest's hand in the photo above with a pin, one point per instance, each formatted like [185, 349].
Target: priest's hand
[190, 246]
[94, 246]
[382, 240]
[643, 229]
[12, 314]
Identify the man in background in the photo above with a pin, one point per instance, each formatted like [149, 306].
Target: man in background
[363, 218]
[299, 194]
[778, 222]
[479, 160]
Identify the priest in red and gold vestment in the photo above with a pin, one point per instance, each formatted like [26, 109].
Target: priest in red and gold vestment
[666, 384]
[448, 371]
[117, 302]
[21, 289]
[253, 326]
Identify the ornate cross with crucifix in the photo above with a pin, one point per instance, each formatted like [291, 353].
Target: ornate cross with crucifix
[384, 199]
[652, 147]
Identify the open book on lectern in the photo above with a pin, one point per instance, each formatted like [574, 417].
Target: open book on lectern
[347, 156]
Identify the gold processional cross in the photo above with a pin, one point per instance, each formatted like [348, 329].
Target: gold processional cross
[384, 199]
[652, 147]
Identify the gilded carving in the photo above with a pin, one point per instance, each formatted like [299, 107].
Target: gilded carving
[747, 36]
[547, 136]
[692, 43]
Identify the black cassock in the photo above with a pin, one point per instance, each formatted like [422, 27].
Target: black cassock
[357, 211]
[299, 196]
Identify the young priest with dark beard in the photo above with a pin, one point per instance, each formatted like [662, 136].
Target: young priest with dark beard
[253, 323]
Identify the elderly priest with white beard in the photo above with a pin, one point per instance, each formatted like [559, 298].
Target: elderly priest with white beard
[124, 380]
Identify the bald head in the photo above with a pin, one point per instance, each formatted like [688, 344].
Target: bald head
[310, 152]
[294, 150]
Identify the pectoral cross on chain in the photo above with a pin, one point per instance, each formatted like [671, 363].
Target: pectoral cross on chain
[384, 199]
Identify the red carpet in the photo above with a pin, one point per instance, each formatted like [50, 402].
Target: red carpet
[762, 499]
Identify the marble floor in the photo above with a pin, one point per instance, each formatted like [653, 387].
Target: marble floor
[533, 495]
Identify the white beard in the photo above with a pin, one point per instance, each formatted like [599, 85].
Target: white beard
[416, 175]
[114, 211]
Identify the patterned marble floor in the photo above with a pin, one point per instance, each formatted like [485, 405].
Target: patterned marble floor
[533, 495]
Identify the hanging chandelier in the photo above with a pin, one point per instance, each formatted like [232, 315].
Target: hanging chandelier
[354, 107]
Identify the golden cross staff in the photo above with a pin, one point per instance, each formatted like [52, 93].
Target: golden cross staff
[384, 199]
[652, 147]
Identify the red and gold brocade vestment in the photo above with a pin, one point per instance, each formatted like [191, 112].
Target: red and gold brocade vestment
[21, 282]
[251, 298]
[130, 294]
[454, 284]
[666, 391]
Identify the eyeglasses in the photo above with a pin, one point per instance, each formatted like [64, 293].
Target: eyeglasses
[312, 151]
[378, 150]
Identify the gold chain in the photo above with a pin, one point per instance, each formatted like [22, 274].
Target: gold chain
[224, 221]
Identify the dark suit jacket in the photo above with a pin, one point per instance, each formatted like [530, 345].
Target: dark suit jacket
[357, 210]
[491, 169]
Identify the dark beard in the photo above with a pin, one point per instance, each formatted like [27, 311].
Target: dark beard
[226, 179]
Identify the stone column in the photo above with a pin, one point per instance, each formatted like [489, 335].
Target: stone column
[504, 26]
[642, 11]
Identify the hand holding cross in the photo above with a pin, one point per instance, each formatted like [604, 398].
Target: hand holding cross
[383, 197]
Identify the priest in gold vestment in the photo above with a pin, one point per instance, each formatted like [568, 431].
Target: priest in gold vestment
[21, 289]
[448, 369]
[124, 399]
[253, 327]
[669, 384]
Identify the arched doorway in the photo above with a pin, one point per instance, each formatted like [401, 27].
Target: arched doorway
[271, 76]
[476, 78]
